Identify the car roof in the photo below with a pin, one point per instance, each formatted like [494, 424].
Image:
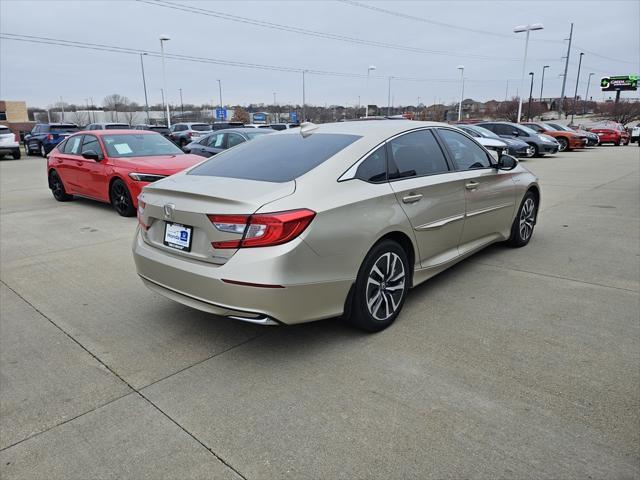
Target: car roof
[119, 131]
[244, 130]
[379, 128]
[108, 123]
[59, 124]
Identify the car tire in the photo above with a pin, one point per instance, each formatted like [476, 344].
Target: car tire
[564, 144]
[57, 187]
[16, 154]
[27, 150]
[43, 151]
[121, 199]
[182, 143]
[381, 287]
[522, 227]
[536, 150]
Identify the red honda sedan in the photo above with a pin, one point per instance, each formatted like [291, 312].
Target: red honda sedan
[113, 165]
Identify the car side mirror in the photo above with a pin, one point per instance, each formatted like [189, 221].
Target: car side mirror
[92, 155]
[507, 162]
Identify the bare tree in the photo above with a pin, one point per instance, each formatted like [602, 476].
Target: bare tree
[79, 118]
[624, 112]
[116, 102]
[240, 115]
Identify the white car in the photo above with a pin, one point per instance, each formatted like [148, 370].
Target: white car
[635, 134]
[9, 144]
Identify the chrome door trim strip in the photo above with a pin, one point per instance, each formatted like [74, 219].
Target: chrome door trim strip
[488, 209]
[439, 223]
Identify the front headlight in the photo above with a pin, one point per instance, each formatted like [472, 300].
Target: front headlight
[145, 177]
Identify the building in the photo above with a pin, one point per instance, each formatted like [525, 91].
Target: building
[14, 115]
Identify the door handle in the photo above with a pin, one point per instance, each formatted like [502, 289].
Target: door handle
[412, 198]
[471, 185]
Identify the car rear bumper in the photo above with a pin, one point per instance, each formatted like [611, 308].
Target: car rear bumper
[200, 285]
[9, 147]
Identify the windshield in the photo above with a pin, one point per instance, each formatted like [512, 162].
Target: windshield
[528, 130]
[485, 133]
[557, 126]
[257, 133]
[64, 128]
[139, 145]
[201, 127]
[275, 158]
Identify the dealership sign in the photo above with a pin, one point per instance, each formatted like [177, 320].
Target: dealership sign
[622, 82]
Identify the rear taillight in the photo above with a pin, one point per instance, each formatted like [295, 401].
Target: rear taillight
[49, 137]
[141, 206]
[17, 137]
[189, 134]
[262, 230]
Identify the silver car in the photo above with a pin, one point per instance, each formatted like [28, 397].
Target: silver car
[329, 220]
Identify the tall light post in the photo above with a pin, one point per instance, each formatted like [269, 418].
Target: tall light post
[542, 81]
[304, 99]
[275, 107]
[575, 94]
[530, 97]
[181, 105]
[164, 38]
[224, 114]
[528, 29]
[461, 68]
[389, 99]
[586, 95]
[144, 85]
[165, 107]
[370, 69]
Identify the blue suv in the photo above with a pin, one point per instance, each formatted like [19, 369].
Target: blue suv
[45, 136]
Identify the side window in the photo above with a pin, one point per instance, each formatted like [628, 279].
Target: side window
[374, 168]
[522, 133]
[234, 139]
[467, 155]
[471, 132]
[72, 147]
[414, 155]
[91, 143]
[217, 140]
[537, 128]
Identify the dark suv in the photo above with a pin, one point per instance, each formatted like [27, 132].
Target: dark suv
[542, 144]
[45, 136]
[184, 133]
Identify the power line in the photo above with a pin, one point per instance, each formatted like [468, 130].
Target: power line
[317, 34]
[191, 58]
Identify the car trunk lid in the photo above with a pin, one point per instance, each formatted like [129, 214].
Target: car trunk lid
[187, 200]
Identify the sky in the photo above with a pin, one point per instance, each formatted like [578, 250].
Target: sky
[419, 44]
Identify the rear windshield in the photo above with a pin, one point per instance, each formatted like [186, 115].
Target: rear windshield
[4, 129]
[64, 128]
[139, 145]
[275, 158]
[116, 126]
[159, 129]
[202, 127]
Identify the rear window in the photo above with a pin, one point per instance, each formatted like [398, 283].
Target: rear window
[116, 126]
[4, 129]
[275, 158]
[159, 129]
[203, 127]
[64, 128]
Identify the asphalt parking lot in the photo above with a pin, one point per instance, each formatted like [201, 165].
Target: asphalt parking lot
[517, 363]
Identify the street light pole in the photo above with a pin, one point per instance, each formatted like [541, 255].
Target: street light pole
[586, 95]
[181, 105]
[461, 68]
[304, 99]
[275, 107]
[527, 29]
[224, 114]
[164, 38]
[542, 81]
[575, 94]
[369, 70]
[164, 107]
[530, 97]
[389, 99]
[144, 85]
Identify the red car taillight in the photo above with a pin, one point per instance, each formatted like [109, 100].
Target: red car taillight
[49, 137]
[263, 229]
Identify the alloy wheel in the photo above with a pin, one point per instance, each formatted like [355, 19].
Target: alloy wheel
[56, 186]
[563, 144]
[527, 218]
[120, 197]
[385, 286]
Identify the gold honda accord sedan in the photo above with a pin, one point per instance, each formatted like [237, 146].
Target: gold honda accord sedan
[329, 220]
